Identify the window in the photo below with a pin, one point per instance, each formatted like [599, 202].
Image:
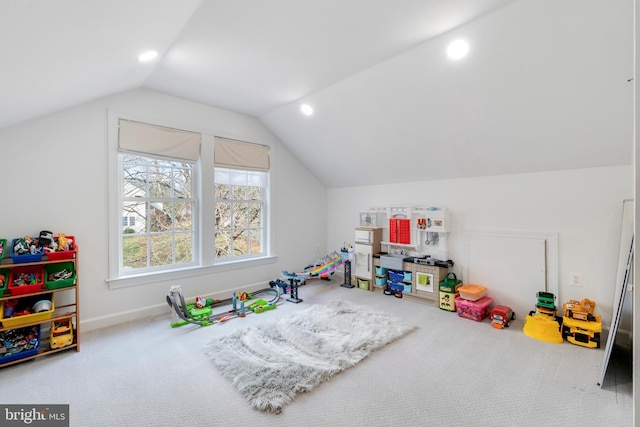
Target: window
[183, 203]
[158, 206]
[128, 221]
[239, 213]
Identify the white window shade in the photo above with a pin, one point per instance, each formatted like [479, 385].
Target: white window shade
[241, 155]
[142, 138]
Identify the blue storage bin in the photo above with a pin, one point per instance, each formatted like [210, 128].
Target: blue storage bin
[396, 276]
[32, 349]
[18, 259]
[407, 276]
[381, 271]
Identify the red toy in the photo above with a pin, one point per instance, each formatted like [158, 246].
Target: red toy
[501, 316]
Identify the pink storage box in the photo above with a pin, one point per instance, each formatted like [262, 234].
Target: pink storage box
[474, 310]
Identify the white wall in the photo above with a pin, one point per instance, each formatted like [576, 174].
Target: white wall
[56, 178]
[583, 206]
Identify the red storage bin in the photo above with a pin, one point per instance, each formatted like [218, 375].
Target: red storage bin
[70, 254]
[20, 275]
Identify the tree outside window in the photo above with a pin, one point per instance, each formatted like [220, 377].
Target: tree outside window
[239, 213]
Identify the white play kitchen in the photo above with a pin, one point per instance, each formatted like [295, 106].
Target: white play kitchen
[402, 250]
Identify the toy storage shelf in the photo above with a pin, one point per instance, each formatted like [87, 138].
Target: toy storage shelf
[66, 310]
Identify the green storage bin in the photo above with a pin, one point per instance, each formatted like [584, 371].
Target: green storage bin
[5, 280]
[51, 270]
[450, 283]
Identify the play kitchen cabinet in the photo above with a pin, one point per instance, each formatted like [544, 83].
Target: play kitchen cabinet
[422, 280]
[48, 304]
[367, 243]
[413, 230]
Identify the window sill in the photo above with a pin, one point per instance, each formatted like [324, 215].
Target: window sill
[164, 276]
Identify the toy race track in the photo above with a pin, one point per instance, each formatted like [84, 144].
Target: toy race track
[201, 311]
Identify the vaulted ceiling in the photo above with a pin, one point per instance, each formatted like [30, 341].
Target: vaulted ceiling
[547, 84]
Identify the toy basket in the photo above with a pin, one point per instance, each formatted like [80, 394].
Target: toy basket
[19, 351]
[381, 271]
[396, 276]
[17, 287]
[60, 275]
[3, 248]
[10, 322]
[70, 254]
[450, 283]
[4, 280]
[19, 259]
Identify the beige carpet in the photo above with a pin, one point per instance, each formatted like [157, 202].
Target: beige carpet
[449, 372]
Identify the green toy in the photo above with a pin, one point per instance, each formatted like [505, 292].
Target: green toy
[200, 312]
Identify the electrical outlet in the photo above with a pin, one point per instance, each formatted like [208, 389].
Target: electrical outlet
[575, 279]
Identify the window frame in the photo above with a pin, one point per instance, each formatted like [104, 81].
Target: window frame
[264, 220]
[148, 200]
[203, 183]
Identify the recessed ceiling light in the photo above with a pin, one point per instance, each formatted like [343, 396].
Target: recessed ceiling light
[458, 49]
[306, 109]
[148, 55]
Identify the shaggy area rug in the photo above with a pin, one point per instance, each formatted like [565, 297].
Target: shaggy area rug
[272, 363]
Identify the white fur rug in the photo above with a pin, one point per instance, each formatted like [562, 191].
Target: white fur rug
[272, 363]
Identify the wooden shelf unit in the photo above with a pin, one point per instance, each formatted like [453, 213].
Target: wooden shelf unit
[61, 312]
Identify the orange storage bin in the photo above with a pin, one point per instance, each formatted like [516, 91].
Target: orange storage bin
[472, 292]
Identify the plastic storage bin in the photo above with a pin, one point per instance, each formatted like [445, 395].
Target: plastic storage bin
[18, 259]
[474, 310]
[60, 275]
[11, 322]
[363, 284]
[3, 248]
[381, 281]
[70, 254]
[449, 292]
[381, 271]
[17, 286]
[472, 292]
[14, 339]
[396, 276]
[4, 280]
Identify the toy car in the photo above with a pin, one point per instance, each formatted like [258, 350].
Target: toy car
[61, 334]
[501, 316]
[580, 310]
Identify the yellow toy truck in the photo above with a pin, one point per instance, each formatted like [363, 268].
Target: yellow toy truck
[580, 310]
[580, 325]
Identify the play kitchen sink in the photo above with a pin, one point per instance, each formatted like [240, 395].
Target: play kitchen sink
[393, 261]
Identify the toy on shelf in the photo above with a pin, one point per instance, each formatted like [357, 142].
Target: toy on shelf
[61, 334]
[501, 316]
[580, 324]
[543, 324]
